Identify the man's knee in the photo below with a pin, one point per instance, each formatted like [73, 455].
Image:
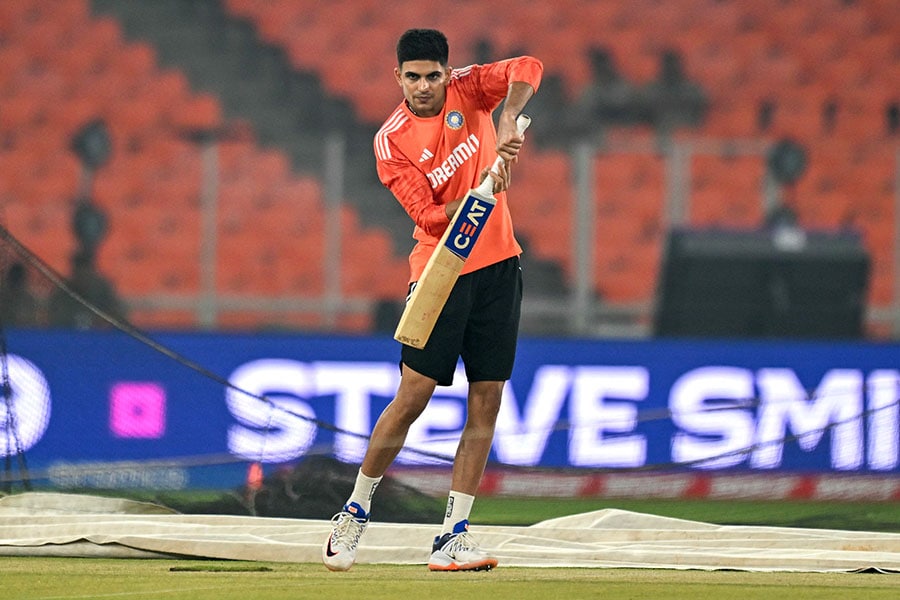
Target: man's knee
[484, 399]
[413, 394]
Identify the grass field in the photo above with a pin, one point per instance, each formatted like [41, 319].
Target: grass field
[856, 516]
[57, 578]
[494, 510]
[40, 578]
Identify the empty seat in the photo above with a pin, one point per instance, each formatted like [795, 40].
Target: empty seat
[60, 67]
[201, 112]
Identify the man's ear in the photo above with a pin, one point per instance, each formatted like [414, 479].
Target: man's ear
[398, 76]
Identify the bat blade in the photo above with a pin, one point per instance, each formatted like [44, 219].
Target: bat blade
[430, 293]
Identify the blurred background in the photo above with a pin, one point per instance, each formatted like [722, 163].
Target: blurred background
[702, 168]
[212, 160]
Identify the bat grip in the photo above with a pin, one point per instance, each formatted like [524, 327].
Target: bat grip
[486, 187]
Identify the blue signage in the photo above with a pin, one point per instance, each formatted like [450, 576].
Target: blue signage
[81, 400]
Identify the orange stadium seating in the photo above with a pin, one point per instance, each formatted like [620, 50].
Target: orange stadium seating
[828, 71]
[797, 55]
[60, 67]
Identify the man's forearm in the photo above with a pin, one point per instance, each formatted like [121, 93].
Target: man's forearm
[516, 98]
[509, 141]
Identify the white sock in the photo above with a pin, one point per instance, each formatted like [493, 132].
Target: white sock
[364, 490]
[459, 506]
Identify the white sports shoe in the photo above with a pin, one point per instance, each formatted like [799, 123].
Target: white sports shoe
[458, 551]
[339, 551]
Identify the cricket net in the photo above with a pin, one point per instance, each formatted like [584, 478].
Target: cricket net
[291, 462]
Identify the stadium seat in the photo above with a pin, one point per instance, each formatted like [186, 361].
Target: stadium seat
[200, 113]
[627, 273]
[61, 66]
[163, 320]
[135, 61]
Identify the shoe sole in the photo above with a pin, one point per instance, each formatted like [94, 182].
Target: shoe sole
[333, 567]
[481, 565]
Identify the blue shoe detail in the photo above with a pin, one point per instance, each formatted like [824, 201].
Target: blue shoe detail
[461, 526]
[441, 540]
[357, 511]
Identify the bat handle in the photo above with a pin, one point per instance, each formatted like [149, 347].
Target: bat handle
[487, 186]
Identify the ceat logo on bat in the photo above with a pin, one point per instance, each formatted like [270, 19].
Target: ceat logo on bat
[468, 226]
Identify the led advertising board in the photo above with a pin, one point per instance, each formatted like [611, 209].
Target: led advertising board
[80, 398]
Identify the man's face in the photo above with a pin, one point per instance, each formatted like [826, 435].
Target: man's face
[424, 84]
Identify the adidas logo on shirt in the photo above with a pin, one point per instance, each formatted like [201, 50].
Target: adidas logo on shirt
[426, 155]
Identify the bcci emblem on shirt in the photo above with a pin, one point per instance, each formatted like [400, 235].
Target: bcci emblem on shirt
[455, 120]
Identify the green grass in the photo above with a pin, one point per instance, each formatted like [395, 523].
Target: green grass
[56, 578]
[873, 516]
[488, 510]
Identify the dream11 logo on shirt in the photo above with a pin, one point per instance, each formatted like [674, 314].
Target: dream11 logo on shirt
[462, 153]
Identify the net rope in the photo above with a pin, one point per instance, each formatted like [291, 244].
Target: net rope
[23, 254]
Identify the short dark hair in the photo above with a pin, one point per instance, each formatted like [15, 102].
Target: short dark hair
[423, 44]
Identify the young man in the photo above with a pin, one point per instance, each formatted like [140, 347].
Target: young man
[439, 143]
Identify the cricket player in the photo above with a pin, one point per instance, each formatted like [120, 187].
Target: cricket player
[438, 144]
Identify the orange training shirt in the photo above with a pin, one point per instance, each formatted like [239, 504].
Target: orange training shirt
[427, 162]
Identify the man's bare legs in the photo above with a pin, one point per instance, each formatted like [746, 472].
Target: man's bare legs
[477, 436]
[454, 549]
[413, 394]
[388, 436]
[390, 430]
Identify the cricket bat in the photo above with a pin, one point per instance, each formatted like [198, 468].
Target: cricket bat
[441, 271]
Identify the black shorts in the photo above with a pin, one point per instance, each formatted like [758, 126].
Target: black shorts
[479, 323]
